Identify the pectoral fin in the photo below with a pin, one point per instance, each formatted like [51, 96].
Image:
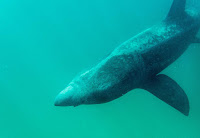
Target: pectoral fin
[168, 91]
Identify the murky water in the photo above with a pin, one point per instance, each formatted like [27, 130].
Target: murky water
[44, 44]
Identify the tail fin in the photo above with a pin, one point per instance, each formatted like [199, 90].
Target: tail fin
[177, 9]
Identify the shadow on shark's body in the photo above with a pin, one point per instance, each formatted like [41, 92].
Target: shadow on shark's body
[137, 64]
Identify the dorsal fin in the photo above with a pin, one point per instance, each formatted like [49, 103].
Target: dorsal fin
[177, 9]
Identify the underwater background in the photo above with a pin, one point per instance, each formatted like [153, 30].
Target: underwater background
[44, 44]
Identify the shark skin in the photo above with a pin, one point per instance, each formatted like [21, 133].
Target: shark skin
[137, 63]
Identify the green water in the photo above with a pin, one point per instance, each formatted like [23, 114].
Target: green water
[44, 44]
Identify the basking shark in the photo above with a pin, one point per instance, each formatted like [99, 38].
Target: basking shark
[137, 63]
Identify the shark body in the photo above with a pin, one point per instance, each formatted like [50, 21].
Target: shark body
[137, 63]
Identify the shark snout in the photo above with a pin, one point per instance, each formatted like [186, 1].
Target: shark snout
[60, 100]
[67, 97]
[65, 100]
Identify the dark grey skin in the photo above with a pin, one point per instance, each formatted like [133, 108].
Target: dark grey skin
[137, 63]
